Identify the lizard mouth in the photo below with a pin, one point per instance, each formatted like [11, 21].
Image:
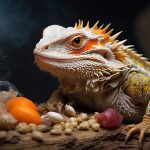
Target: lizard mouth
[97, 55]
[91, 56]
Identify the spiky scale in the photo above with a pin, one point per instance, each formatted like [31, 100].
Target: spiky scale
[95, 25]
[114, 37]
[113, 46]
[87, 25]
[81, 24]
[106, 28]
[109, 32]
[137, 60]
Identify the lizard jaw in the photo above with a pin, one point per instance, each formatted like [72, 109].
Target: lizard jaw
[65, 67]
[70, 58]
[89, 62]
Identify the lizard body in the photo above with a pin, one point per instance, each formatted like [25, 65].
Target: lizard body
[97, 71]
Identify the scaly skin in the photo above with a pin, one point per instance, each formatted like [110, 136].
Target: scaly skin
[97, 71]
[138, 87]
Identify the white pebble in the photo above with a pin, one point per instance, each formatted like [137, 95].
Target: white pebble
[69, 111]
[55, 117]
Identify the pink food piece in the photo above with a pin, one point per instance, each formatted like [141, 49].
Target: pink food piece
[110, 118]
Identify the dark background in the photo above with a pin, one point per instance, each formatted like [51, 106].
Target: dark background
[22, 22]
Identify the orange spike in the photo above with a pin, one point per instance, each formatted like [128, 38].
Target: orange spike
[95, 25]
[101, 27]
[99, 31]
[87, 25]
[106, 28]
[115, 45]
[75, 26]
[109, 32]
[81, 25]
[79, 22]
[114, 37]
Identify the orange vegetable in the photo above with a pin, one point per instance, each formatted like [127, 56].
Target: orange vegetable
[26, 114]
[21, 101]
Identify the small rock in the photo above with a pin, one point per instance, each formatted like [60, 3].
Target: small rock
[14, 136]
[43, 128]
[33, 126]
[84, 116]
[3, 134]
[84, 125]
[96, 114]
[73, 124]
[14, 133]
[95, 127]
[67, 125]
[72, 119]
[110, 118]
[46, 120]
[37, 135]
[58, 127]
[23, 128]
[56, 132]
[7, 121]
[69, 111]
[55, 117]
[79, 119]
[68, 131]
[91, 121]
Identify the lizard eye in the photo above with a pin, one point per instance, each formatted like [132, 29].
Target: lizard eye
[77, 41]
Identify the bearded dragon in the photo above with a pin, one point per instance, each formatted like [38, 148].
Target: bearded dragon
[97, 71]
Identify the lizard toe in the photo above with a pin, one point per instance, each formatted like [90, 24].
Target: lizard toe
[131, 131]
[143, 128]
[128, 127]
[141, 137]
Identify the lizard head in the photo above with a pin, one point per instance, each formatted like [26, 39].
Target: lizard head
[80, 52]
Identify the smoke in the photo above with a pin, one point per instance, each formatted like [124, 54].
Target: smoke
[16, 23]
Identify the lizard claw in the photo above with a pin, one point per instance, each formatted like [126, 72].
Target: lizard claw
[129, 127]
[142, 127]
[131, 131]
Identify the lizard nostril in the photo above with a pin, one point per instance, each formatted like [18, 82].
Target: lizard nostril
[46, 47]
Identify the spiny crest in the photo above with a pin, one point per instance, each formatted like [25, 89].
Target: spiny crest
[95, 29]
[103, 31]
[137, 59]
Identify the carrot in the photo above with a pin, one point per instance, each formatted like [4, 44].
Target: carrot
[26, 114]
[21, 101]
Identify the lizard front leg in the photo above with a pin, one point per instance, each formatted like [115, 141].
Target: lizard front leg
[138, 87]
[57, 103]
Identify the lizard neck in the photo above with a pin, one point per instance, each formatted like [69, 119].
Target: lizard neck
[94, 84]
